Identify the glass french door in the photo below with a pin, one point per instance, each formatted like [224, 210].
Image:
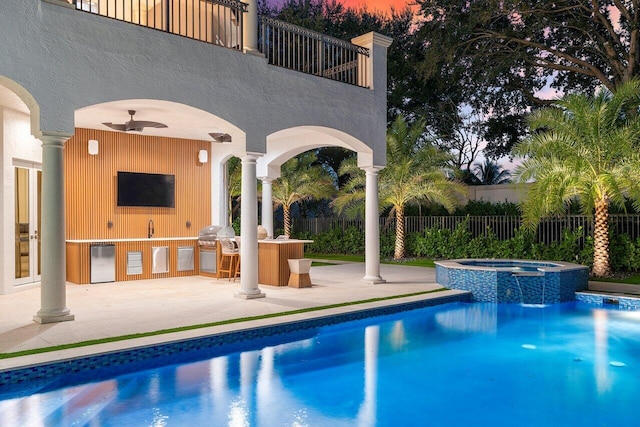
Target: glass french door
[27, 219]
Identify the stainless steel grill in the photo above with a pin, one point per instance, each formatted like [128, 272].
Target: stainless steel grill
[208, 235]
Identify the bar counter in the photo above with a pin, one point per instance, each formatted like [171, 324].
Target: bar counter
[273, 267]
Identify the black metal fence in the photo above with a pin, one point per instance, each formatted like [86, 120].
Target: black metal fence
[504, 227]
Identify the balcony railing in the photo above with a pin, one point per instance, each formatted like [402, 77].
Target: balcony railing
[218, 22]
[296, 48]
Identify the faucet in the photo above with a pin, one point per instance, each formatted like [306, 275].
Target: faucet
[150, 228]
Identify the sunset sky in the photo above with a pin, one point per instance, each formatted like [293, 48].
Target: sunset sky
[382, 5]
[372, 5]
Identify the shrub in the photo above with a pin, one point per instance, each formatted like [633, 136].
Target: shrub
[437, 243]
[625, 253]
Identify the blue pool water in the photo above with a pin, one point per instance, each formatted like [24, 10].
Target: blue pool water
[517, 264]
[453, 365]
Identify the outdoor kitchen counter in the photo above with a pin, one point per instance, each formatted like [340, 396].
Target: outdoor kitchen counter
[273, 267]
[78, 257]
[137, 239]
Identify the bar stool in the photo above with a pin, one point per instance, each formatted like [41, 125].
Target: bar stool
[232, 256]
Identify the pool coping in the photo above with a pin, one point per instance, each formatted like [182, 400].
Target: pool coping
[557, 265]
[39, 364]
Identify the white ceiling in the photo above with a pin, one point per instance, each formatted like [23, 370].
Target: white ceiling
[182, 120]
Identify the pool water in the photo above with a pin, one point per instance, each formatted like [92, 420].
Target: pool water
[518, 264]
[453, 365]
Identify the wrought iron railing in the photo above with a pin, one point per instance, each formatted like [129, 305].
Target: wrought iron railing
[218, 22]
[297, 48]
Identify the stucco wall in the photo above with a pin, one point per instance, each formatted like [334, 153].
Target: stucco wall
[514, 193]
[67, 60]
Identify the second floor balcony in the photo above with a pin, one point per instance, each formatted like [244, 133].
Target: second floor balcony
[229, 24]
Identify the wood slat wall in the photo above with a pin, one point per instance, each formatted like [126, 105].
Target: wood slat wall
[90, 185]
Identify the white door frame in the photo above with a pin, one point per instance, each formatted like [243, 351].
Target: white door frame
[32, 233]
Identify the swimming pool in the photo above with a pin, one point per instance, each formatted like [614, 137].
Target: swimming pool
[458, 364]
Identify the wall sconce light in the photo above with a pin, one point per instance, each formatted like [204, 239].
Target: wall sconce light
[188, 224]
[203, 156]
[93, 147]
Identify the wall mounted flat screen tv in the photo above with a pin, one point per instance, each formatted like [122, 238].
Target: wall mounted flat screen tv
[146, 189]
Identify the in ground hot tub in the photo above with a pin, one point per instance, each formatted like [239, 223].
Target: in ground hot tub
[514, 281]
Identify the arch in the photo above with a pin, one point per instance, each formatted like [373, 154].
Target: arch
[287, 143]
[19, 98]
[183, 121]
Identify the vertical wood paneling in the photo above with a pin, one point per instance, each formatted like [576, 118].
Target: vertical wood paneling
[90, 185]
[79, 264]
[273, 265]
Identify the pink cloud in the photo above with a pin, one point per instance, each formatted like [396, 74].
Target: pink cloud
[378, 5]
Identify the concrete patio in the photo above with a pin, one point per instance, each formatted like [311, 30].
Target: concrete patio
[123, 308]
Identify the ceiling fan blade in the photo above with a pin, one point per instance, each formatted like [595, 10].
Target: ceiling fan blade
[146, 124]
[220, 137]
[115, 126]
[138, 125]
[134, 125]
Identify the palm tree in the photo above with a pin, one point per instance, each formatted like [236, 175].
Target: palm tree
[234, 185]
[415, 172]
[300, 179]
[491, 173]
[584, 149]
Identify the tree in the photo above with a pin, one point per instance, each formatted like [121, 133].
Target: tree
[414, 173]
[408, 92]
[301, 178]
[491, 173]
[502, 55]
[234, 186]
[463, 140]
[585, 149]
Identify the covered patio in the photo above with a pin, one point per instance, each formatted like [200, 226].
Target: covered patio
[266, 112]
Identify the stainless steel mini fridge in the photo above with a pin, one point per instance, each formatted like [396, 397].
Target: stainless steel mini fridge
[103, 263]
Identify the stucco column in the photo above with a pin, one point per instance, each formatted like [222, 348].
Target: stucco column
[374, 76]
[250, 30]
[53, 293]
[267, 205]
[372, 228]
[249, 230]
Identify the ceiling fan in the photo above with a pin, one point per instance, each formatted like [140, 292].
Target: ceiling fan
[220, 137]
[134, 125]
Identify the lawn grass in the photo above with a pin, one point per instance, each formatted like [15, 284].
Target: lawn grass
[628, 280]
[205, 325]
[321, 264]
[336, 257]
[415, 262]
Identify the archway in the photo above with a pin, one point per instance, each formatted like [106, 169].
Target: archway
[287, 143]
